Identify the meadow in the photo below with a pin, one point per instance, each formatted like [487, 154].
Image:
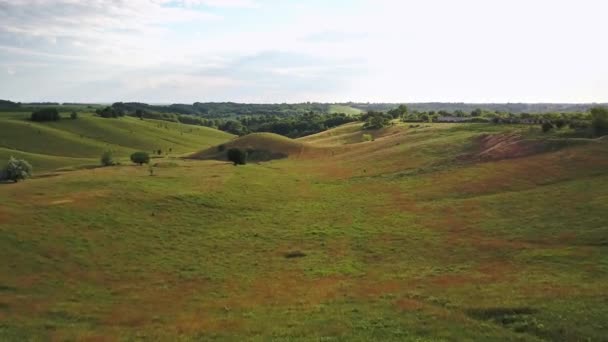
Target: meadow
[432, 232]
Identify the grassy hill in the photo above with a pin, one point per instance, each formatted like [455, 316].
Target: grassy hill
[444, 232]
[263, 147]
[50, 145]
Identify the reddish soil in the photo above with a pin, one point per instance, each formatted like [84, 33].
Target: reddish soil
[491, 147]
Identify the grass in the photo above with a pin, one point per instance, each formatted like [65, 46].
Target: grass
[344, 109]
[395, 239]
[68, 142]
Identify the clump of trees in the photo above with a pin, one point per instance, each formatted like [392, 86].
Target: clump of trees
[398, 112]
[140, 158]
[376, 120]
[110, 112]
[599, 121]
[45, 114]
[16, 170]
[237, 156]
[546, 127]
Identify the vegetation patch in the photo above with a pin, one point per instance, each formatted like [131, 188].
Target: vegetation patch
[294, 254]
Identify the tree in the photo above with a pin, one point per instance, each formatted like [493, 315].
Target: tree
[140, 158]
[476, 112]
[237, 156]
[547, 126]
[376, 120]
[17, 169]
[45, 114]
[398, 112]
[74, 116]
[599, 121]
[107, 159]
[560, 123]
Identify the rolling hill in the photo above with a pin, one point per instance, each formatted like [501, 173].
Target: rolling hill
[50, 145]
[430, 232]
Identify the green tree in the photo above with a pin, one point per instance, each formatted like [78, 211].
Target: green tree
[237, 156]
[546, 126]
[17, 169]
[140, 158]
[107, 159]
[599, 121]
[74, 115]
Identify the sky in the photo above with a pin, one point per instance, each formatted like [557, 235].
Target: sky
[275, 51]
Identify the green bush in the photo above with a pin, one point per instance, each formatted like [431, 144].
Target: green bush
[140, 158]
[547, 126]
[107, 159]
[367, 137]
[74, 116]
[16, 170]
[237, 156]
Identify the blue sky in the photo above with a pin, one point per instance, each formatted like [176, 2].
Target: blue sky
[184, 51]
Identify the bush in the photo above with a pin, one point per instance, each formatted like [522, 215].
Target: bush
[74, 116]
[367, 137]
[45, 114]
[140, 158]
[17, 169]
[107, 159]
[237, 156]
[599, 121]
[547, 126]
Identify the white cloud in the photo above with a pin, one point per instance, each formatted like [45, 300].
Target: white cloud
[381, 50]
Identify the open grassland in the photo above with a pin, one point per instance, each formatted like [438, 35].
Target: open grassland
[344, 109]
[427, 233]
[50, 145]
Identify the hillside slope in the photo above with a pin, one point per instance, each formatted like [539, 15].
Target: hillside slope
[74, 142]
[434, 232]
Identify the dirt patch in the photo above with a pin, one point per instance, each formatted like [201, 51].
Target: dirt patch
[492, 147]
[83, 198]
[4, 216]
[407, 304]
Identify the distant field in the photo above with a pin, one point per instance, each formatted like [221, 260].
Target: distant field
[68, 142]
[441, 232]
[344, 109]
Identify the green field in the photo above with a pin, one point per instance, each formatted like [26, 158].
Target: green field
[443, 232]
[344, 109]
[81, 142]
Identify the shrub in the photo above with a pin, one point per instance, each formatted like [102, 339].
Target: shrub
[599, 121]
[367, 137]
[45, 114]
[547, 126]
[237, 156]
[74, 116]
[17, 169]
[140, 158]
[107, 159]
